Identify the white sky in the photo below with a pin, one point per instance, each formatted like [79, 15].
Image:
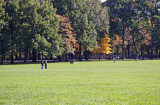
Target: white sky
[103, 0]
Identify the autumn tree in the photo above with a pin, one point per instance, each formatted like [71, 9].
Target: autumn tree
[103, 47]
[121, 14]
[68, 36]
[152, 18]
[147, 21]
[116, 44]
[82, 22]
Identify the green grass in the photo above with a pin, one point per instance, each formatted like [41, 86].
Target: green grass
[83, 83]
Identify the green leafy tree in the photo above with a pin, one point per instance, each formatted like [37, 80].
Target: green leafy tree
[100, 17]
[11, 19]
[1, 14]
[3, 40]
[82, 22]
[49, 25]
[40, 27]
[121, 14]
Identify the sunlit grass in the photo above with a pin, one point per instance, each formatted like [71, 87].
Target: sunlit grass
[94, 83]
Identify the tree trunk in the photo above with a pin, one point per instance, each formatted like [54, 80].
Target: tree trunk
[39, 56]
[123, 38]
[136, 51]
[128, 50]
[99, 57]
[34, 54]
[25, 56]
[60, 59]
[11, 33]
[156, 52]
[16, 55]
[1, 59]
[151, 56]
[117, 50]
[20, 55]
[66, 57]
[148, 51]
[80, 50]
[135, 48]
[12, 59]
[86, 55]
[42, 56]
[142, 53]
[123, 49]
[71, 56]
[51, 57]
[29, 55]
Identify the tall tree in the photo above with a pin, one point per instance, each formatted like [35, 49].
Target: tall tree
[121, 13]
[68, 36]
[2, 35]
[82, 22]
[101, 17]
[151, 17]
[11, 14]
[49, 25]
[40, 26]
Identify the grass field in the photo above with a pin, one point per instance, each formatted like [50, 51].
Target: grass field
[83, 83]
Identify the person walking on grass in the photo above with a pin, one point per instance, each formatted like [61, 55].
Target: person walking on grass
[42, 62]
[46, 64]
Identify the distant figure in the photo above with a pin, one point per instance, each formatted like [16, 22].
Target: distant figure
[42, 62]
[46, 64]
[118, 58]
[72, 61]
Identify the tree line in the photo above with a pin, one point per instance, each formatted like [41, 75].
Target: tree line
[40, 29]
[134, 27]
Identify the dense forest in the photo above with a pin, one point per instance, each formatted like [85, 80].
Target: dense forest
[67, 29]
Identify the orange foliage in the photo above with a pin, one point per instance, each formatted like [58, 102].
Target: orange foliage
[146, 35]
[104, 46]
[68, 34]
[118, 40]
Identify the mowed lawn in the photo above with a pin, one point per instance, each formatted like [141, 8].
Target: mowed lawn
[83, 83]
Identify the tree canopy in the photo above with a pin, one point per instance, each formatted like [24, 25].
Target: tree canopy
[50, 29]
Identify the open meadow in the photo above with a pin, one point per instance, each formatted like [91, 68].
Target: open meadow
[90, 83]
